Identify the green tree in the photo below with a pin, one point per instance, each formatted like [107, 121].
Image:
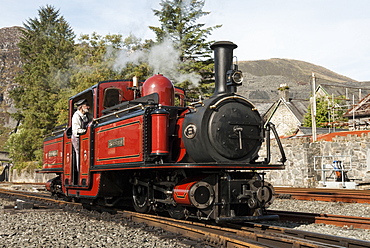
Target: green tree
[94, 60]
[324, 108]
[92, 63]
[46, 48]
[178, 20]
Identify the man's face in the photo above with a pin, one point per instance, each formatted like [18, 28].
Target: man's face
[85, 108]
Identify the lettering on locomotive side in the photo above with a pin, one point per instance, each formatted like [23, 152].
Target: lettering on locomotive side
[53, 153]
[116, 142]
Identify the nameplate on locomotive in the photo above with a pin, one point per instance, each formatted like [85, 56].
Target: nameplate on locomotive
[53, 153]
[116, 142]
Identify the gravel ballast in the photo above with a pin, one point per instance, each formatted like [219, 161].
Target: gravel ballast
[58, 228]
[67, 229]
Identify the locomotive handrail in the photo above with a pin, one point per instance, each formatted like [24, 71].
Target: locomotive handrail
[119, 112]
[195, 103]
[57, 130]
[283, 157]
[54, 133]
[232, 97]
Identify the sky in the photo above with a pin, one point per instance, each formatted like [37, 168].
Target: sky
[334, 34]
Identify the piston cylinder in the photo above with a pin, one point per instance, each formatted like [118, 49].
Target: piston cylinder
[199, 194]
[48, 185]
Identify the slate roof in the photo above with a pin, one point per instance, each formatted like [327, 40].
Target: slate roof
[307, 131]
[362, 109]
[349, 90]
[297, 107]
[262, 107]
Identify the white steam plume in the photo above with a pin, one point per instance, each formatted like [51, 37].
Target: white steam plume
[163, 58]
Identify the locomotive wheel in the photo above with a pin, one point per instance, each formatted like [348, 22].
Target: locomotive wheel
[177, 212]
[140, 198]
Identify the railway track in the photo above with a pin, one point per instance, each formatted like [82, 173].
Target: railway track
[246, 235]
[320, 194]
[329, 219]
[309, 194]
[249, 235]
[43, 198]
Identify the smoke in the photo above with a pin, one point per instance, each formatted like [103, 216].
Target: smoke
[125, 56]
[163, 58]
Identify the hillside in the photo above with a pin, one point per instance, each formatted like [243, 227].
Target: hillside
[10, 62]
[298, 71]
[262, 78]
[10, 66]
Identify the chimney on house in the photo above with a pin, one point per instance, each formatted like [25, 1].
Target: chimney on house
[284, 92]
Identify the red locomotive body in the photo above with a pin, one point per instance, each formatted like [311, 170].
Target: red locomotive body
[141, 149]
[53, 156]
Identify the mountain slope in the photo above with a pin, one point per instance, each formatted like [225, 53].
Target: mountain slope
[262, 78]
[10, 66]
[296, 70]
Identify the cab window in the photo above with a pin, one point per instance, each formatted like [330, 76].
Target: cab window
[112, 97]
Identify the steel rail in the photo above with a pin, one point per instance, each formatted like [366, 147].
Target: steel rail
[335, 240]
[16, 183]
[338, 195]
[224, 236]
[37, 197]
[329, 219]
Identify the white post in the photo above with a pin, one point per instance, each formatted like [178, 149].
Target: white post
[333, 111]
[353, 113]
[313, 109]
[359, 95]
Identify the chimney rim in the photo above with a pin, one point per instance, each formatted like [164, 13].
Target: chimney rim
[223, 43]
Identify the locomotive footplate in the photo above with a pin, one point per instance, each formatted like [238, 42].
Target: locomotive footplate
[231, 166]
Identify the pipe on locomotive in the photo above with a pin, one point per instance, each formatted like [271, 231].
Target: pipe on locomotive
[223, 57]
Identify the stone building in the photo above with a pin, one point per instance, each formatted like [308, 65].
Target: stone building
[288, 114]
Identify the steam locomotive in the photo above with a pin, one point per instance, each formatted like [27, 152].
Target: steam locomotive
[144, 148]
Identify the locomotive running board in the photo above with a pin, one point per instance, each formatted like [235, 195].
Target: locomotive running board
[238, 219]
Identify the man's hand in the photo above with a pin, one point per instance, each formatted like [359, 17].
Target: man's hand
[81, 131]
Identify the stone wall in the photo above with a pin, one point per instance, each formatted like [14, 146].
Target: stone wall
[27, 176]
[300, 152]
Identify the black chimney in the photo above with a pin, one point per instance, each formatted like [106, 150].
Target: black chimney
[223, 56]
